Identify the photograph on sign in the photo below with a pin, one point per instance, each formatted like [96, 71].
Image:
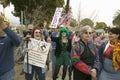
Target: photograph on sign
[37, 52]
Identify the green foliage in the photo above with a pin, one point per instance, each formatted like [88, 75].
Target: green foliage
[87, 21]
[116, 20]
[5, 3]
[36, 11]
[100, 25]
[73, 22]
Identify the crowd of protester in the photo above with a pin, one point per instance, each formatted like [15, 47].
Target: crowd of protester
[84, 54]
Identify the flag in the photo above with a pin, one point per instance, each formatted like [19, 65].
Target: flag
[65, 20]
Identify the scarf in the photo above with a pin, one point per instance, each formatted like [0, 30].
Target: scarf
[116, 55]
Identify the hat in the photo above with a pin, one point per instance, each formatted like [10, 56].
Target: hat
[64, 29]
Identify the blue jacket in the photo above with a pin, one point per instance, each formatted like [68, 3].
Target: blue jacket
[7, 44]
[54, 43]
[101, 55]
[101, 51]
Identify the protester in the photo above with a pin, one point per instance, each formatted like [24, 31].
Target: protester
[61, 52]
[96, 39]
[109, 53]
[55, 33]
[36, 34]
[8, 40]
[23, 45]
[84, 56]
[26, 34]
[75, 38]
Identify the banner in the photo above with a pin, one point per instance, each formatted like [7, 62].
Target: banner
[56, 17]
[37, 52]
[65, 20]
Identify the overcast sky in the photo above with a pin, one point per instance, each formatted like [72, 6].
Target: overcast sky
[8, 10]
[97, 10]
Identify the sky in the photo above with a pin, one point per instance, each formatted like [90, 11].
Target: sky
[97, 10]
[13, 20]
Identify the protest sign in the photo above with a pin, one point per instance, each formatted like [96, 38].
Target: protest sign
[37, 52]
[56, 17]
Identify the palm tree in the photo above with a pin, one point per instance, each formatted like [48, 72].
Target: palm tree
[116, 20]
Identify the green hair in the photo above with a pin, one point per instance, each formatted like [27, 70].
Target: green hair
[64, 29]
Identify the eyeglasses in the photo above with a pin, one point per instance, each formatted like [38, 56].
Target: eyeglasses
[63, 31]
[37, 32]
[88, 33]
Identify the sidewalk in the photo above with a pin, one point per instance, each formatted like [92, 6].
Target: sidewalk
[18, 69]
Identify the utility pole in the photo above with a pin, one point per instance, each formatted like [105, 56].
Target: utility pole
[21, 18]
[67, 6]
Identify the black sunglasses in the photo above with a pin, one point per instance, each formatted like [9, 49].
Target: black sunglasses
[37, 32]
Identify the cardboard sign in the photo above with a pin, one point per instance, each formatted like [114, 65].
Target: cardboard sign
[37, 52]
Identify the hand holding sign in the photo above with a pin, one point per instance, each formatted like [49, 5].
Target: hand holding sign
[38, 52]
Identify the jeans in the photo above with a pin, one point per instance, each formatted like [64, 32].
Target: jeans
[38, 70]
[8, 75]
[53, 60]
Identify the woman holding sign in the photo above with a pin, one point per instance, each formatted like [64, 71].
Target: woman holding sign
[29, 69]
[109, 53]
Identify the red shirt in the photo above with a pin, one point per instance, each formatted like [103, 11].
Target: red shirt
[107, 52]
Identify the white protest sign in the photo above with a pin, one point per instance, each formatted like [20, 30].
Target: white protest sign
[37, 54]
[56, 17]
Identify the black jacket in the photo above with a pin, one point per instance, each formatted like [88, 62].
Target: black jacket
[58, 45]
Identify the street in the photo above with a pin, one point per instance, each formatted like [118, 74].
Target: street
[18, 69]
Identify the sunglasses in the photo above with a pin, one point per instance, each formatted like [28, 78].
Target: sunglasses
[63, 31]
[88, 33]
[37, 32]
